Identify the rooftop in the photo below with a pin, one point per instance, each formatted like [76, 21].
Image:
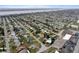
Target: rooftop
[67, 37]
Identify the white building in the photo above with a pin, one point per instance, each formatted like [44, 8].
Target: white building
[78, 21]
[49, 41]
[67, 37]
[56, 52]
[74, 26]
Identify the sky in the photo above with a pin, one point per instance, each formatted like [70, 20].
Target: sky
[40, 6]
[39, 2]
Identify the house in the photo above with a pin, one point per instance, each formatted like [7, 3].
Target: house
[78, 21]
[67, 37]
[49, 41]
[74, 26]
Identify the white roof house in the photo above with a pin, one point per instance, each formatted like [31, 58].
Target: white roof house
[74, 26]
[13, 33]
[49, 40]
[67, 37]
[56, 52]
[78, 21]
